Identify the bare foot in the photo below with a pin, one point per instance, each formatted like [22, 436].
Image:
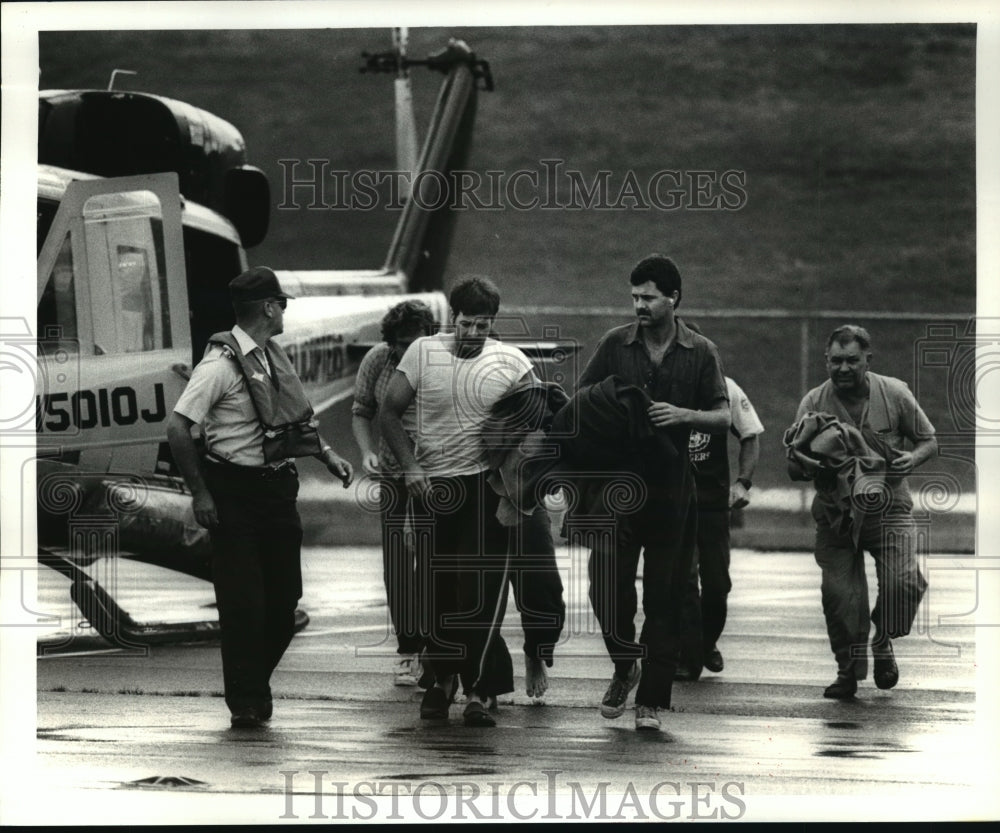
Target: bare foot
[536, 680]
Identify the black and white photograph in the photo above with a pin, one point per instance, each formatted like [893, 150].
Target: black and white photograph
[429, 414]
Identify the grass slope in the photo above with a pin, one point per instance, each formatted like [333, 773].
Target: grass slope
[857, 144]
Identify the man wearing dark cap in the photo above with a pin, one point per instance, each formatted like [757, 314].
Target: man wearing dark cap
[255, 418]
[681, 374]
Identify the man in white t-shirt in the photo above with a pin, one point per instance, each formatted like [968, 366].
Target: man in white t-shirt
[454, 379]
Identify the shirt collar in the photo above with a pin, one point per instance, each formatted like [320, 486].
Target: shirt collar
[246, 343]
[683, 337]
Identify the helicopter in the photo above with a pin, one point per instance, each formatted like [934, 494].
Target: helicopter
[146, 208]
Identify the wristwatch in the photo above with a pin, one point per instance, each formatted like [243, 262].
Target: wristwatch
[745, 482]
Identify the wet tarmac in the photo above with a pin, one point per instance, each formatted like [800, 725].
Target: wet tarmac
[143, 736]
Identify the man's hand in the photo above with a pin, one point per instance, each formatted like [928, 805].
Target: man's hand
[665, 415]
[339, 467]
[738, 496]
[369, 462]
[204, 510]
[902, 463]
[417, 483]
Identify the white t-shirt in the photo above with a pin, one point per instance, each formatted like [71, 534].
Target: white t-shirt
[454, 397]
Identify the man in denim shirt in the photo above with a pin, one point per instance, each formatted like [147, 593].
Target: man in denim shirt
[682, 374]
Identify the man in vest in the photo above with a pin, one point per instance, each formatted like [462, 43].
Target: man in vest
[255, 418]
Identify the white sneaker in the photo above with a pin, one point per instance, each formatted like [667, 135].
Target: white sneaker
[646, 718]
[408, 670]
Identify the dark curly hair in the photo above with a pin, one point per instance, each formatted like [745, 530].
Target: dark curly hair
[406, 317]
[662, 271]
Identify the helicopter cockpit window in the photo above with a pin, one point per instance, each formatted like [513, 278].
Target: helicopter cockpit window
[57, 327]
[135, 298]
[129, 292]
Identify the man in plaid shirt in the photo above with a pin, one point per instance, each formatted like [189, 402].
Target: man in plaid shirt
[402, 325]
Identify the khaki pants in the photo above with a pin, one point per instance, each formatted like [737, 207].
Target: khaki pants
[891, 540]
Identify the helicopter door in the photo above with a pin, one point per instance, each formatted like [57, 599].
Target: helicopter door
[114, 334]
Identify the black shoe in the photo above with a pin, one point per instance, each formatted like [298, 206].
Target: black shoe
[476, 715]
[843, 688]
[713, 660]
[886, 671]
[435, 704]
[684, 674]
[246, 717]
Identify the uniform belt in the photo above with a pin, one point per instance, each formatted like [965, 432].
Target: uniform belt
[251, 472]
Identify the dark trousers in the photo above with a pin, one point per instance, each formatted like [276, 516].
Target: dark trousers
[704, 611]
[537, 585]
[891, 540]
[665, 534]
[457, 535]
[399, 567]
[257, 576]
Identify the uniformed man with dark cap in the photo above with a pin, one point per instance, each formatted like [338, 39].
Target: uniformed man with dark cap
[255, 419]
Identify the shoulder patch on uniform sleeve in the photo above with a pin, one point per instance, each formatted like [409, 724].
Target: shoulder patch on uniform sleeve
[215, 351]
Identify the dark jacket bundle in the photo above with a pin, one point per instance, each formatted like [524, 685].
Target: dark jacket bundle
[606, 425]
[520, 454]
[849, 467]
[605, 437]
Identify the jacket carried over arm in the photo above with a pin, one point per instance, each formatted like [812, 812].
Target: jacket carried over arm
[605, 436]
[520, 454]
[849, 467]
